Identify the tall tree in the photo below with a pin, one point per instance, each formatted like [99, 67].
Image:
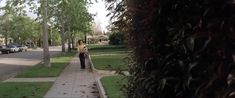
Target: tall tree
[61, 18]
[72, 18]
[6, 20]
[46, 55]
[5, 23]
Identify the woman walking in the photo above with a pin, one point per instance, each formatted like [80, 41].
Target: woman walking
[81, 50]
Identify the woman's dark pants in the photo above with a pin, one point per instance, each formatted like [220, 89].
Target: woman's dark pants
[82, 60]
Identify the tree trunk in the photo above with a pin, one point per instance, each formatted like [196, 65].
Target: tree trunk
[6, 39]
[69, 44]
[85, 38]
[73, 40]
[62, 35]
[39, 42]
[51, 41]
[46, 55]
[69, 39]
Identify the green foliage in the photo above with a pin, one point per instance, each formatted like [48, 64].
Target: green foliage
[72, 18]
[24, 90]
[21, 29]
[72, 15]
[54, 37]
[24, 29]
[15, 25]
[116, 39]
[181, 48]
[113, 86]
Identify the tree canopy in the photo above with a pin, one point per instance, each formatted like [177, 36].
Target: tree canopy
[73, 14]
[69, 18]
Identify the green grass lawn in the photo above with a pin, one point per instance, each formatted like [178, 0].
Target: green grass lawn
[108, 57]
[107, 49]
[108, 52]
[24, 90]
[102, 47]
[58, 63]
[113, 86]
[109, 62]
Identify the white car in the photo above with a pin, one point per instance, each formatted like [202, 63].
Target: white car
[13, 48]
[22, 48]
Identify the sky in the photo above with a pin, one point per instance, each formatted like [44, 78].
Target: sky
[96, 8]
[101, 12]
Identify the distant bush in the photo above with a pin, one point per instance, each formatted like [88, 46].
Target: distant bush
[116, 39]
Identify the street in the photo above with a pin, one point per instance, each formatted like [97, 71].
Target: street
[12, 63]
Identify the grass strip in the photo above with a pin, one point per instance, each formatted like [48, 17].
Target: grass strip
[58, 63]
[24, 90]
[113, 86]
[108, 57]
[109, 62]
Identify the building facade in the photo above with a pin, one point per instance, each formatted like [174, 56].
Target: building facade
[2, 40]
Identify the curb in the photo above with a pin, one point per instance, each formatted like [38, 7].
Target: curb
[97, 80]
[100, 88]
[101, 73]
[45, 79]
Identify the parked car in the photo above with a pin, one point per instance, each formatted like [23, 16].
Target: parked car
[5, 49]
[22, 48]
[13, 48]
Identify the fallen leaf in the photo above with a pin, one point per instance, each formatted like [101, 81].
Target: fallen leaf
[82, 91]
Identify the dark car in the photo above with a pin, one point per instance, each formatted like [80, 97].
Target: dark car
[5, 49]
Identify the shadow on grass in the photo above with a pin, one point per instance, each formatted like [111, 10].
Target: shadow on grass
[58, 63]
[41, 71]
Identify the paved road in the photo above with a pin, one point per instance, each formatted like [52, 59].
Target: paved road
[12, 63]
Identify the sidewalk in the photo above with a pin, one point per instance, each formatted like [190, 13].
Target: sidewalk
[74, 83]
